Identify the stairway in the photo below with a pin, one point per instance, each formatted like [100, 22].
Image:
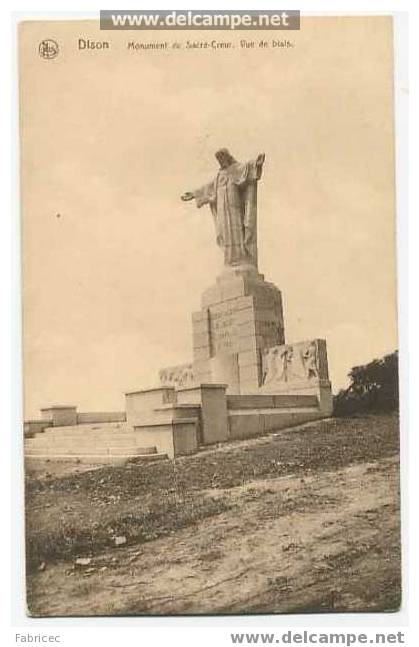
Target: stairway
[89, 443]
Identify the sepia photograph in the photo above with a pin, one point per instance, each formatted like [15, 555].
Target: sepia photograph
[209, 308]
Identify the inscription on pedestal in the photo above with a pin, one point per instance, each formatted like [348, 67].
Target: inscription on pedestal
[224, 331]
[229, 329]
[242, 317]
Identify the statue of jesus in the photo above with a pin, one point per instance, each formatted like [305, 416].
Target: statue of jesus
[232, 196]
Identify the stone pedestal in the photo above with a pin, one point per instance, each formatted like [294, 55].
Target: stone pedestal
[241, 316]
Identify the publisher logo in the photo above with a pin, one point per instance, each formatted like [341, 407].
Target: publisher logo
[48, 49]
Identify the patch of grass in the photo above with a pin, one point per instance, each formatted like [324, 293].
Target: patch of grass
[84, 588]
[70, 538]
[330, 444]
[80, 514]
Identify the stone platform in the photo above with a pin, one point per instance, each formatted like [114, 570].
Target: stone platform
[243, 381]
[169, 422]
[180, 421]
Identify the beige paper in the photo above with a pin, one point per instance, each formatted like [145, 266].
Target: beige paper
[114, 263]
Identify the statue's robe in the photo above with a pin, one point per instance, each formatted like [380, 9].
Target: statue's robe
[233, 200]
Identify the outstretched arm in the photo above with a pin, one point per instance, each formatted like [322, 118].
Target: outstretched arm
[203, 195]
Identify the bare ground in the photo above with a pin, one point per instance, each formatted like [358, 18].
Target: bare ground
[302, 521]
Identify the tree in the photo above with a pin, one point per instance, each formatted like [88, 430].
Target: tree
[374, 387]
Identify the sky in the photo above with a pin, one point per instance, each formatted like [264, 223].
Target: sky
[114, 263]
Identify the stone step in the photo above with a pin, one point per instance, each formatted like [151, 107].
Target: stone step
[262, 401]
[116, 427]
[70, 440]
[88, 449]
[77, 451]
[93, 459]
[131, 439]
[74, 433]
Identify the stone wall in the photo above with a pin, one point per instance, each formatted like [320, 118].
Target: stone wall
[100, 416]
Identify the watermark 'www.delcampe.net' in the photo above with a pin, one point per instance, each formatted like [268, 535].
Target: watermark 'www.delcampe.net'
[279, 19]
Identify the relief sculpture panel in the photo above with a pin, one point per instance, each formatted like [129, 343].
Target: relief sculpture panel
[180, 376]
[305, 361]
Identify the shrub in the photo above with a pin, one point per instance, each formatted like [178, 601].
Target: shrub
[374, 388]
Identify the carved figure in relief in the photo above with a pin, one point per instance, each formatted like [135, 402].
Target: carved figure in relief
[310, 361]
[278, 362]
[177, 376]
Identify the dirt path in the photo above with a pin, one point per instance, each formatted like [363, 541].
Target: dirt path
[295, 543]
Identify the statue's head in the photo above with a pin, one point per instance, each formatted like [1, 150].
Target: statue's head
[224, 157]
